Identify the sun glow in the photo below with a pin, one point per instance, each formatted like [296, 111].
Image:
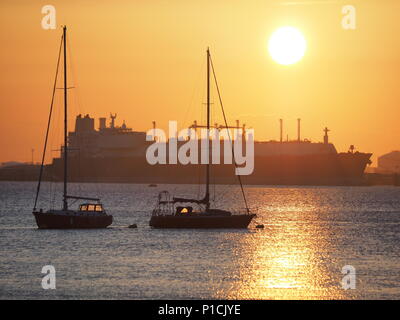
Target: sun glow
[287, 45]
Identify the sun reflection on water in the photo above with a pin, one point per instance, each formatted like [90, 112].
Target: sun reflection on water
[287, 260]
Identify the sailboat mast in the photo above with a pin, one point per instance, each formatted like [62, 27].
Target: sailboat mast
[65, 202]
[208, 133]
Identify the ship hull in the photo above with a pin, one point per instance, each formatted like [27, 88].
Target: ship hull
[59, 221]
[201, 222]
[337, 169]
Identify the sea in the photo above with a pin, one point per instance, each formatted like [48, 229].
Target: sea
[317, 243]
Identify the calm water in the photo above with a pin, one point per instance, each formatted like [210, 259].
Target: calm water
[310, 234]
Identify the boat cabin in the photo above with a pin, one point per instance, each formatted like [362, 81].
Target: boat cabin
[91, 207]
[183, 210]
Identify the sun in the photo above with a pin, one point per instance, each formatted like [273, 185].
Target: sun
[287, 45]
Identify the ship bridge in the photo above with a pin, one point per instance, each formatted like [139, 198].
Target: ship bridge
[108, 141]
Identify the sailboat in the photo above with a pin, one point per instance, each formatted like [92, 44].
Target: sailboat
[173, 212]
[90, 214]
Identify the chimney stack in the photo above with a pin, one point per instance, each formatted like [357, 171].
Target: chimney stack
[298, 130]
[281, 125]
[154, 131]
[102, 123]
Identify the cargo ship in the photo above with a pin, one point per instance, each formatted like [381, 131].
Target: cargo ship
[112, 153]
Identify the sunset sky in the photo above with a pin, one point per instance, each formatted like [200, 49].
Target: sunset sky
[145, 61]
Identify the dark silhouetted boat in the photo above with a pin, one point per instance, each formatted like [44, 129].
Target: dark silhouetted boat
[168, 214]
[90, 214]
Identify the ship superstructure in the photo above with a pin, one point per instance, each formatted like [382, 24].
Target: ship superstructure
[107, 142]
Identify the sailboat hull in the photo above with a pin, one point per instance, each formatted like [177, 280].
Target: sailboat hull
[58, 221]
[202, 222]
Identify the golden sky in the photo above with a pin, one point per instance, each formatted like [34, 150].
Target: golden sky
[145, 60]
